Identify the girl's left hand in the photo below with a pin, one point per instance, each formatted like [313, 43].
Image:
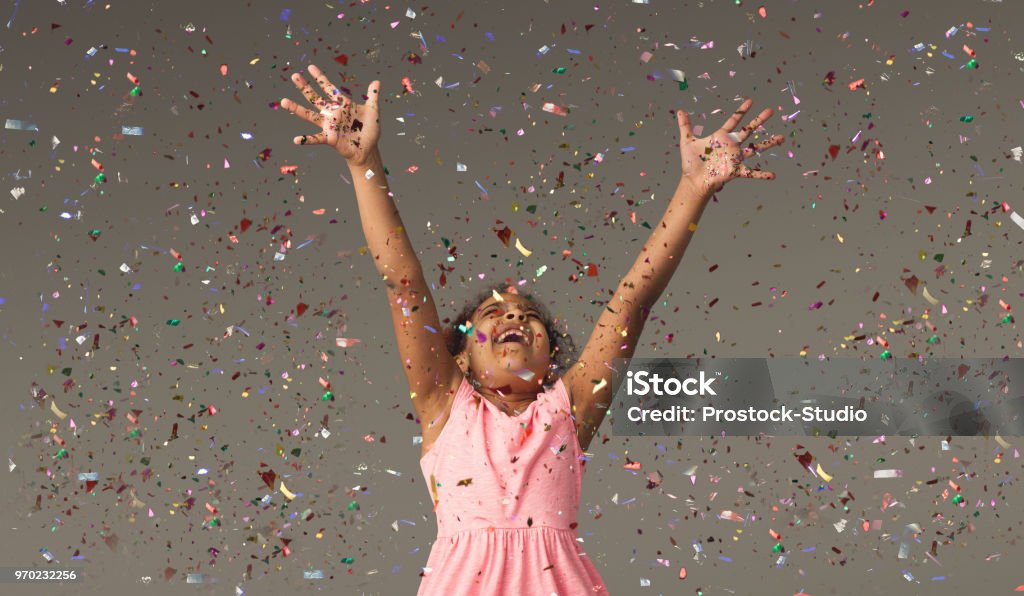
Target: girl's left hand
[713, 160]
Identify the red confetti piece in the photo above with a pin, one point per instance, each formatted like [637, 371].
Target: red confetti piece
[300, 308]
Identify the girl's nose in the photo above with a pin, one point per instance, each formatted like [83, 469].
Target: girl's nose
[511, 315]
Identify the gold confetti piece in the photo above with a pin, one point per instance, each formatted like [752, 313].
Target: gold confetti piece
[839, 237]
[497, 296]
[465, 482]
[929, 297]
[522, 249]
[286, 492]
[56, 410]
[822, 473]
[1002, 442]
[600, 386]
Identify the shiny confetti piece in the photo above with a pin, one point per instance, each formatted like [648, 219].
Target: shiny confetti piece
[600, 385]
[287, 493]
[57, 411]
[554, 109]
[888, 474]
[1017, 219]
[20, 125]
[522, 249]
[823, 475]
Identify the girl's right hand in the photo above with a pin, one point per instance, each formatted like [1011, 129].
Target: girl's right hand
[351, 129]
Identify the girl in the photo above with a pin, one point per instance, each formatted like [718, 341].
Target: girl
[504, 427]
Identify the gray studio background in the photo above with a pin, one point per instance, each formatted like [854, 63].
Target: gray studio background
[776, 269]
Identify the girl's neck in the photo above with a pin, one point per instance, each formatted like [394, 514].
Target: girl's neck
[503, 397]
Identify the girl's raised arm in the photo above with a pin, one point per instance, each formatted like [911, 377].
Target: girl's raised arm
[353, 130]
[708, 163]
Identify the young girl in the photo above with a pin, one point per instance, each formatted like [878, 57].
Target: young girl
[505, 427]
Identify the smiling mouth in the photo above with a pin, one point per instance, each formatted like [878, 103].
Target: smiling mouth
[511, 336]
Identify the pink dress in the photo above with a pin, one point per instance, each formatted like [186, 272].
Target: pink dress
[505, 490]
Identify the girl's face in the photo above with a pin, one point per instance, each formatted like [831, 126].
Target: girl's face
[508, 348]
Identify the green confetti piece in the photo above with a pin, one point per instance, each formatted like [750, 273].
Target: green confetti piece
[94, 234]
[683, 85]
[885, 355]
[559, 70]
[100, 178]
[933, 340]
[966, 118]
[136, 91]
[327, 396]
[297, 451]
[61, 454]
[348, 560]
[173, 322]
[777, 547]
[353, 506]
[1007, 319]
[958, 499]
[178, 268]
[972, 63]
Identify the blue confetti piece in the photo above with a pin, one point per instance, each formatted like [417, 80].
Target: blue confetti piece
[286, 13]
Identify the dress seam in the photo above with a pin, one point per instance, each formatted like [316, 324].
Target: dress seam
[491, 529]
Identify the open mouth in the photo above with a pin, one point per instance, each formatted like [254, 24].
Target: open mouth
[511, 336]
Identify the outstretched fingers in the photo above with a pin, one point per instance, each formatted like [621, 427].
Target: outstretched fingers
[756, 123]
[372, 95]
[305, 113]
[308, 92]
[762, 145]
[332, 92]
[737, 116]
[744, 172]
[685, 129]
[317, 139]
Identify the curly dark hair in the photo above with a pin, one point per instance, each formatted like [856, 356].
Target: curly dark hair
[563, 349]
